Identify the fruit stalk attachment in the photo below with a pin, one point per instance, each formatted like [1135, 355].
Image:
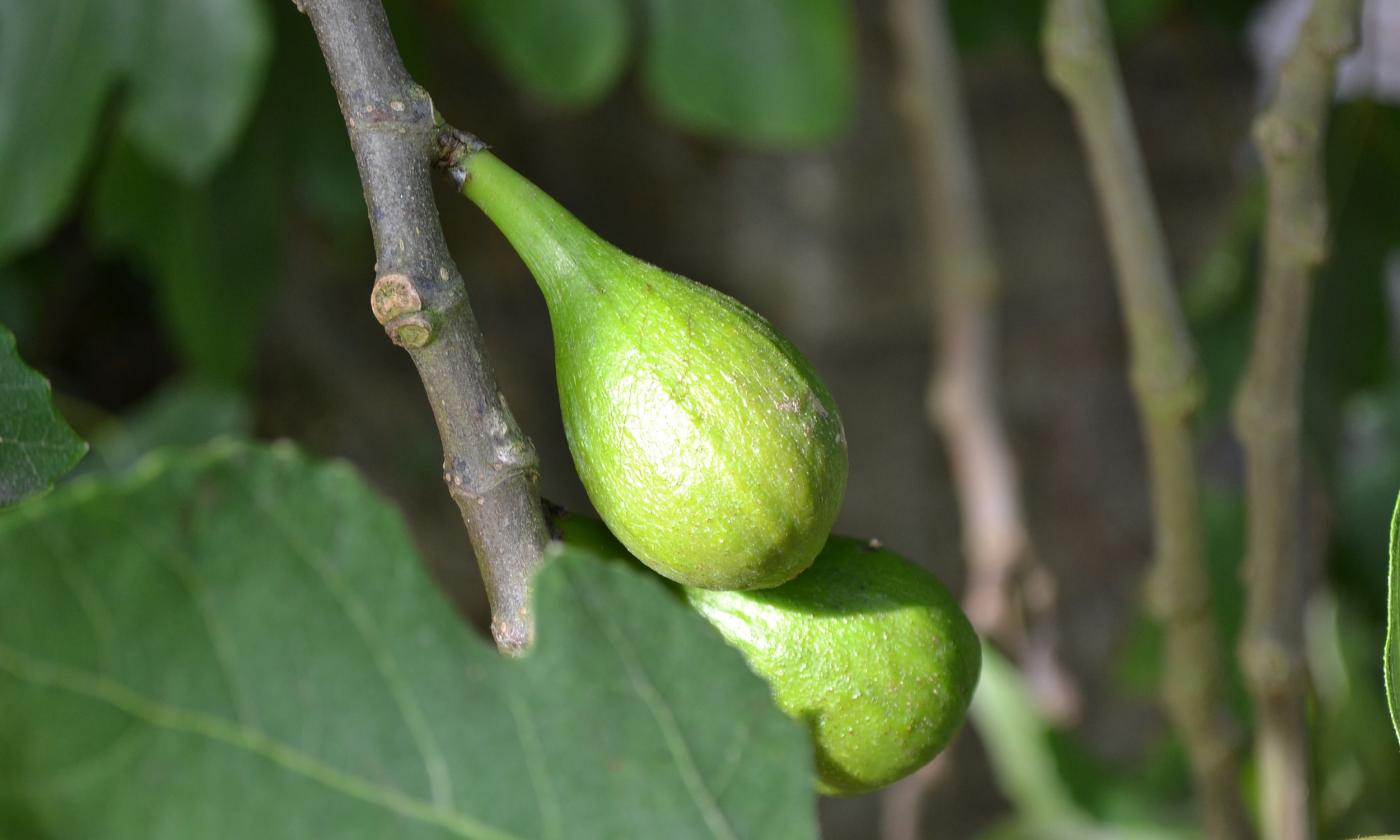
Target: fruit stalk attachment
[490, 467]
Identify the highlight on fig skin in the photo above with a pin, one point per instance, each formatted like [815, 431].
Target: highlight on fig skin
[703, 438]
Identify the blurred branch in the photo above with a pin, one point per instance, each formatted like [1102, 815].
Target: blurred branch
[490, 467]
[962, 401]
[1080, 62]
[902, 804]
[1268, 412]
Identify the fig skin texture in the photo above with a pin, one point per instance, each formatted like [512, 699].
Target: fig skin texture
[704, 439]
[868, 650]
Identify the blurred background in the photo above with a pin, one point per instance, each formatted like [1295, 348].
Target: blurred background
[184, 252]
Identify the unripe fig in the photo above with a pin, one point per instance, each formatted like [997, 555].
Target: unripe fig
[703, 438]
[869, 650]
[865, 648]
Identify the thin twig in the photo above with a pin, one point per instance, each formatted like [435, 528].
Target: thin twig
[1080, 62]
[962, 389]
[490, 467]
[1268, 413]
[961, 395]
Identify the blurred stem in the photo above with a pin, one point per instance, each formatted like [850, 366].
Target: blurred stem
[1080, 62]
[1268, 413]
[490, 467]
[961, 395]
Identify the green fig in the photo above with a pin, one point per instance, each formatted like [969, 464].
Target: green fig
[865, 648]
[703, 438]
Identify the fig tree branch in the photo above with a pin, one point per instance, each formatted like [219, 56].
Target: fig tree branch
[1268, 412]
[1080, 62]
[490, 467]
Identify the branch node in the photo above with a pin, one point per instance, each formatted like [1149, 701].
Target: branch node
[454, 146]
[411, 332]
[1273, 668]
[1281, 138]
[393, 296]
[370, 110]
[1165, 393]
[511, 458]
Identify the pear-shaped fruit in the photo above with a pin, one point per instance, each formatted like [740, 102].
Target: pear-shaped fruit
[867, 649]
[703, 438]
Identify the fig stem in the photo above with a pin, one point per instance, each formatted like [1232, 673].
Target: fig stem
[489, 465]
[1167, 384]
[1289, 134]
[540, 230]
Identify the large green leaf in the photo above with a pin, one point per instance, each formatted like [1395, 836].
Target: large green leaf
[194, 79]
[36, 445]
[1392, 634]
[775, 72]
[239, 642]
[569, 52]
[56, 66]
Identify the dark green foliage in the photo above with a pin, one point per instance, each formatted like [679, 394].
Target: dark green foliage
[191, 70]
[778, 73]
[57, 64]
[569, 52]
[214, 250]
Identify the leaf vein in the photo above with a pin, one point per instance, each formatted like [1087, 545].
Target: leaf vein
[671, 734]
[535, 764]
[100, 688]
[434, 765]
